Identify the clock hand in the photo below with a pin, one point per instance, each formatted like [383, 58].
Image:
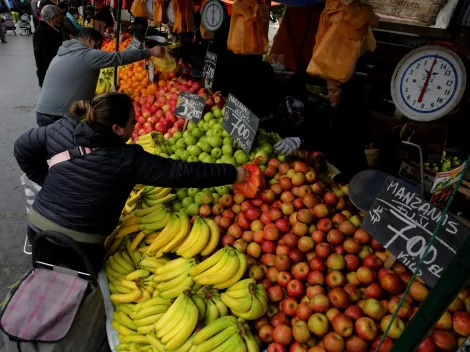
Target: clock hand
[425, 86]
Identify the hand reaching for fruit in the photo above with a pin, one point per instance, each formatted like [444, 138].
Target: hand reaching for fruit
[287, 145]
[242, 175]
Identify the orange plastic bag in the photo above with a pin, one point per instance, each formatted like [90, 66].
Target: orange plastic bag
[249, 25]
[254, 184]
[184, 16]
[158, 12]
[139, 9]
[344, 34]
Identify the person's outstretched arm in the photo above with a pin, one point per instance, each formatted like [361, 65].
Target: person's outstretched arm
[157, 171]
[99, 59]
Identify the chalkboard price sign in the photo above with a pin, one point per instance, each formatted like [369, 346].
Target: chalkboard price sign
[240, 123]
[403, 222]
[208, 72]
[190, 106]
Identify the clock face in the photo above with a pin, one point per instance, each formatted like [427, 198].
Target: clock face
[213, 15]
[428, 83]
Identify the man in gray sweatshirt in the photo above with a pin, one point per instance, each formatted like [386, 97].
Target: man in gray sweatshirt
[73, 73]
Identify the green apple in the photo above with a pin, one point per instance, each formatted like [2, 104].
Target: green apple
[209, 160]
[197, 132]
[226, 158]
[192, 210]
[227, 149]
[197, 198]
[172, 141]
[232, 161]
[174, 148]
[213, 123]
[184, 155]
[177, 206]
[219, 161]
[193, 191]
[202, 156]
[281, 158]
[262, 156]
[207, 198]
[217, 113]
[241, 157]
[203, 138]
[201, 124]
[208, 116]
[216, 141]
[177, 135]
[186, 134]
[216, 153]
[216, 197]
[191, 126]
[178, 152]
[228, 140]
[194, 150]
[223, 111]
[221, 190]
[190, 140]
[217, 132]
[209, 133]
[268, 148]
[163, 155]
[206, 147]
[186, 202]
[207, 127]
[181, 144]
[192, 159]
[182, 193]
[225, 134]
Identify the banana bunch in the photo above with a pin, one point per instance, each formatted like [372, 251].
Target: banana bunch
[147, 221]
[172, 279]
[209, 305]
[118, 266]
[177, 325]
[151, 263]
[172, 236]
[225, 334]
[203, 239]
[221, 270]
[246, 299]
[152, 143]
[105, 81]
[138, 286]
[152, 196]
[133, 201]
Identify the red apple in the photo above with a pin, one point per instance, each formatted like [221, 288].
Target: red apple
[295, 288]
[342, 325]
[333, 342]
[320, 303]
[276, 347]
[275, 294]
[461, 323]
[443, 340]
[338, 297]
[392, 283]
[304, 311]
[374, 291]
[289, 306]
[324, 225]
[317, 264]
[279, 318]
[266, 333]
[323, 250]
[356, 344]
[315, 290]
[283, 279]
[300, 271]
[306, 244]
[366, 328]
[354, 312]
[427, 345]
[365, 275]
[315, 278]
[334, 279]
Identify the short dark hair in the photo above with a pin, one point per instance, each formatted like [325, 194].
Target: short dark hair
[91, 33]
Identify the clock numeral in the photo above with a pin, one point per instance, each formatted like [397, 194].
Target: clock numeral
[449, 83]
[432, 105]
[443, 66]
[447, 73]
[422, 106]
[406, 80]
[447, 92]
[411, 72]
[408, 97]
[440, 100]
[414, 102]
[406, 90]
[418, 65]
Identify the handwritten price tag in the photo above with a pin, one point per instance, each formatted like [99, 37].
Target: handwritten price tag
[403, 223]
[190, 106]
[240, 123]
[208, 72]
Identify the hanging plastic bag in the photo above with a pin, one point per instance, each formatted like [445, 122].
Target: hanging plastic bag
[344, 34]
[139, 9]
[158, 12]
[249, 25]
[184, 16]
[165, 64]
[254, 184]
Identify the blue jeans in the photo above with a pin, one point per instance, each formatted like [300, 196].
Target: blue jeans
[45, 120]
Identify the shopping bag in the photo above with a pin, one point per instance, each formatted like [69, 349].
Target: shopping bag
[255, 182]
[54, 310]
[31, 190]
[183, 16]
[344, 34]
[139, 9]
[158, 12]
[165, 64]
[249, 25]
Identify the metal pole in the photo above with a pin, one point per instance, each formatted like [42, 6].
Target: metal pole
[118, 34]
[421, 163]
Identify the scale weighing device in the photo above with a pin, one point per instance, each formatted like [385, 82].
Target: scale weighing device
[427, 84]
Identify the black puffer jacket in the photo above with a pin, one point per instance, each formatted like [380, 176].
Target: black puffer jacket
[88, 193]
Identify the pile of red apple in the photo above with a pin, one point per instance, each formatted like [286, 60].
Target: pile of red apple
[155, 111]
[325, 276]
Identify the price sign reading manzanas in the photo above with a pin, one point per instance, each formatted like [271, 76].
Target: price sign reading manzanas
[403, 223]
[240, 123]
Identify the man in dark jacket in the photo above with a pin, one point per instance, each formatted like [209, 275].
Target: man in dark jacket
[74, 73]
[47, 39]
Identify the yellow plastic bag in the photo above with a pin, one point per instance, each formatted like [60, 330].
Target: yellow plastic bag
[158, 12]
[139, 9]
[344, 34]
[249, 26]
[165, 64]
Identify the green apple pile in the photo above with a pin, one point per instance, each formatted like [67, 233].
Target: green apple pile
[446, 163]
[193, 199]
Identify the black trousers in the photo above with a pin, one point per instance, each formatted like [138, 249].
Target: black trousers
[52, 253]
[44, 120]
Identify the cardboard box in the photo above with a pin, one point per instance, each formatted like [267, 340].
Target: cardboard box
[433, 181]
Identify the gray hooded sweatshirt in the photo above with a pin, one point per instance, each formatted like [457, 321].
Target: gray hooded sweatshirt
[73, 75]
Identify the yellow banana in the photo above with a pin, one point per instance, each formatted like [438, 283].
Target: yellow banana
[112, 274]
[169, 315]
[199, 244]
[167, 285]
[214, 237]
[233, 343]
[216, 267]
[194, 235]
[155, 302]
[137, 239]
[123, 308]
[122, 329]
[185, 328]
[177, 271]
[123, 319]
[171, 323]
[166, 199]
[186, 346]
[201, 307]
[127, 230]
[148, 320]
[138, 339]
[208, 263]
[126, 297]
[250, 341]
[240, 305]
[124, 260]
[156, 344]
[129, 284]
[155, 226]
[213, 328]
[117, 267]
[225, 273]
[149, 311]
[122, 289]
[216, 340]
[212, 313]
[243, 284]
[256, 310]
[223, 310]
[112, 288]
[147, 329]
[137, 274]
[166, 235]
[238, 275]
[172, 265]
[179, 289]
[145, 296]
[180, 236]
